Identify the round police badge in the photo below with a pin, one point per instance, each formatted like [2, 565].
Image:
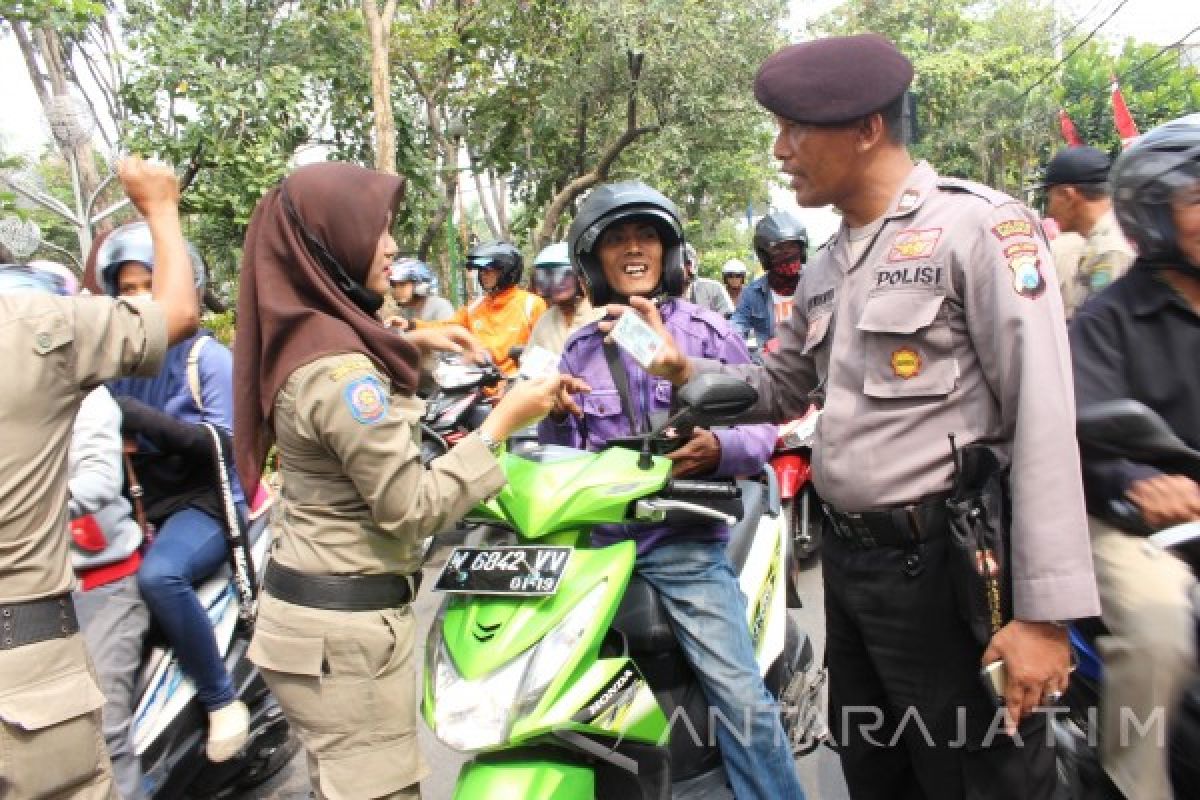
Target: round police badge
[906, 363]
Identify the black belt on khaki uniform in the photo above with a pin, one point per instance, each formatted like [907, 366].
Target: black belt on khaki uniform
[340, 592]
[893, 527]
[36, 621]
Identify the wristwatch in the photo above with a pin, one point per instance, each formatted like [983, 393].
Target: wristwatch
[489, 443]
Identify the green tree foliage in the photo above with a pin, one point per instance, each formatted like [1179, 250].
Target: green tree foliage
[557, 94]
[1156, 86]
[231, 90]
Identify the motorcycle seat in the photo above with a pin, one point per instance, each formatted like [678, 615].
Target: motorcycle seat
[643, 620]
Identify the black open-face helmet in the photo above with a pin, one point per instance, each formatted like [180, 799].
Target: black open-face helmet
[617, 203]
[1159, 163]
[776, 227]
[497, 255]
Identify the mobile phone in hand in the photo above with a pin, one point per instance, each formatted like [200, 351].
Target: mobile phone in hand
[995, 680]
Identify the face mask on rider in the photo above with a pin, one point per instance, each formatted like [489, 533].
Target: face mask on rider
[783, 277]
[786, 260]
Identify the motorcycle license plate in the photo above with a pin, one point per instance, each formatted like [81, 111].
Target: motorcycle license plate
[510, 571]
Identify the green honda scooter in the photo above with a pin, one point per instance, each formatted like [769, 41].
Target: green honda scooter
[557, 667]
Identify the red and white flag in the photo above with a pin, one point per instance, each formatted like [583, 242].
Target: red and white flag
[1126, 128]
[1069, 134]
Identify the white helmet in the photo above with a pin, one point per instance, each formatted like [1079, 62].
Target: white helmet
[733, 266]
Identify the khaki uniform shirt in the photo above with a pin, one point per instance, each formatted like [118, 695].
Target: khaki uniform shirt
[54, 350]
[1106, 256]
[950, 322]
[356, 499]
[552, 331]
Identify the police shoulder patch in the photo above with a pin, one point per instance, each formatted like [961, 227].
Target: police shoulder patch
[1026, 265]
[367, 399]
[1013, 227]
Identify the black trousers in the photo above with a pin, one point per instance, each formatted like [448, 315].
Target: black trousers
[907, 708]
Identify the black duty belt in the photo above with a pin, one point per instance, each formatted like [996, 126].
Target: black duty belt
[37, 621]
[340, 592]
[894, 527]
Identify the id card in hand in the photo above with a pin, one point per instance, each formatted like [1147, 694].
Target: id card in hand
[637, 338]
[538, 362]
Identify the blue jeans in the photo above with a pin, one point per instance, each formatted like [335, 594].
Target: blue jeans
[708, 614]
[188, 548]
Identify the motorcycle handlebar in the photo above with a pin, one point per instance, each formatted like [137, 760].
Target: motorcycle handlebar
[717, 490]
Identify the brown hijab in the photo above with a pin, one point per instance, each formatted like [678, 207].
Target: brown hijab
[290, 310]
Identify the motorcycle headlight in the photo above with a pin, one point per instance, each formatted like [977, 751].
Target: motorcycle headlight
[555, 649]
[473, 715]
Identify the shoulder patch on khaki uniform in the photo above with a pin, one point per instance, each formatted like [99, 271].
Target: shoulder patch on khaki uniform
[349, 366]
[367, 399]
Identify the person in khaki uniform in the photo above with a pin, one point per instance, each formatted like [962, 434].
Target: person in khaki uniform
[324, 380]
[929, 313]
[55, 350]
[1077, 198]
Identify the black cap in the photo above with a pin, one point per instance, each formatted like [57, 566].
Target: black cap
[834, 80]
[1075, 165]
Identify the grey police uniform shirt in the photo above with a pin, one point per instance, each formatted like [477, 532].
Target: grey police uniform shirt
[950, 323]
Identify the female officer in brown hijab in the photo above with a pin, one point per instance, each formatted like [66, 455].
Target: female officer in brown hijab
[317, 374]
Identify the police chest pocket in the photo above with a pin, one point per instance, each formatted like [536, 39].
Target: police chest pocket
[908, 346]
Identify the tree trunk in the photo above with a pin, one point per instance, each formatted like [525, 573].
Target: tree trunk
[574, 188]
[581, 184]
[500, 203]
[45, 47]
[379, 29]
[485, 203]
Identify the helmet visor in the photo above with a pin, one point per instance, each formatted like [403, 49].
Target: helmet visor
[482, 263]
[555, 284]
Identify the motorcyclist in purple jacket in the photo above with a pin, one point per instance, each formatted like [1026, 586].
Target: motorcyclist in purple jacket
[627, 240]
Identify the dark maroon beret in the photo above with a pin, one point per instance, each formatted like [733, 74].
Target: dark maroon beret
[833, 80]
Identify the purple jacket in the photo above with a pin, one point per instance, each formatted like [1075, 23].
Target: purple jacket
[698, 332]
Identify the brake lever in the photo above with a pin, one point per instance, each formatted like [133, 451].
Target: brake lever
[655, 509]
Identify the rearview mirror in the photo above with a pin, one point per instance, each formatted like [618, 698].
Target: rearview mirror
[713, 398]
[1128, 429]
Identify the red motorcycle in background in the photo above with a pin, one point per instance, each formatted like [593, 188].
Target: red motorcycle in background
[792, 462]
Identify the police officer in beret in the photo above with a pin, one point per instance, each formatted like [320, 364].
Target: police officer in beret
[932, 312]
